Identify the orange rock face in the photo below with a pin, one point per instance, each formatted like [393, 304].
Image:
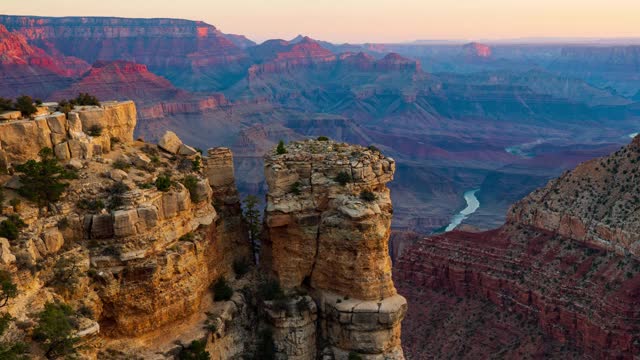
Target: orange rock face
[328, 221]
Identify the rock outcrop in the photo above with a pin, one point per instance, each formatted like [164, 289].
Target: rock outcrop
[143, 255]
[68, 135]
[592, 204]
[327, 225]
[566, 261]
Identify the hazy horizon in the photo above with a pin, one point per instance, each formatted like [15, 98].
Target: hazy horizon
[375, 21]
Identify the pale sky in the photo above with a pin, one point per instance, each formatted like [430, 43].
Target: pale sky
[371, 20]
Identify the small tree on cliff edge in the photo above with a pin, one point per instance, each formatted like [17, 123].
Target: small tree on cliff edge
[252, 216]
[281, 149]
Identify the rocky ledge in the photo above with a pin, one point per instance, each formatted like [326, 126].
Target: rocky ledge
[328, 220]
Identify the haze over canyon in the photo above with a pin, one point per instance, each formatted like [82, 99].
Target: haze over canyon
[498, 178]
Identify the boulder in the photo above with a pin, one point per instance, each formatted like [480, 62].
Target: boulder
[187, 150]
[10, 115]
[170, 142]
[6, 257]
[53, 240]
[75, 164]
[118, 175]
[141, 160]
[13, 183]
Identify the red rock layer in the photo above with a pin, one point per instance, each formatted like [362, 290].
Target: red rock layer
[578, 295]
[391, 62]
[280, 56]
[158, 43]
[121, 80]
[395, 62]
[26, 69]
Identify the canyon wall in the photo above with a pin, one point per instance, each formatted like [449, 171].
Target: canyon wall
[327, 225]
[565, 261]
[592, 204]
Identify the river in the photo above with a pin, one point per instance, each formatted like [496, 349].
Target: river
[472, 205]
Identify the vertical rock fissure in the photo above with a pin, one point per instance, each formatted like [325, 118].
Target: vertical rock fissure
[317, 238]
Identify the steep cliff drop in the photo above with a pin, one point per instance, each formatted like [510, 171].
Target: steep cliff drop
[560, 279]
[131, 245]
[327, 226]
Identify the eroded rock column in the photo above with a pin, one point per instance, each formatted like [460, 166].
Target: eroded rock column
[328, 221]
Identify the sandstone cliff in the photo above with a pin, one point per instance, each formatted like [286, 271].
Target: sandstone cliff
[68, 135]
[144, 255]
[328, 219]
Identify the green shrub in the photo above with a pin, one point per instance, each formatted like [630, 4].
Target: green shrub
[354, 356]
[191, 183]
[187, 237]
[10, 228]
[64, 106]
[270, 290]
[95, 130]
[85, 99]
[6, 104]
[25, 105]
[373, 148]
[323, 138]
[41, 180]
[281, 149]
[15, 202]
[55, 330]
[66, 273]
[342, 178]
[195, 351]
[10, 350]
[295, 188]
[367, 196]
[211, 323]
[163, 183]
[91, 204]
[8, 289]
[118, 188]
[221, 290]
[196, 164]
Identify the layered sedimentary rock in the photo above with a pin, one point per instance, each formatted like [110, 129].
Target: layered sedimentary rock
[566, 260]
[328, 220]
[592, 204]
[231, 227]
[277, 56]
[68, 135]
[144, 255]
[28, 69]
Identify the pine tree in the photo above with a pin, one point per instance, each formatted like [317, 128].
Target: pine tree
[281, 149]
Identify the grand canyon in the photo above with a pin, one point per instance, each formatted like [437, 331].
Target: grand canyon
[418, 200]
